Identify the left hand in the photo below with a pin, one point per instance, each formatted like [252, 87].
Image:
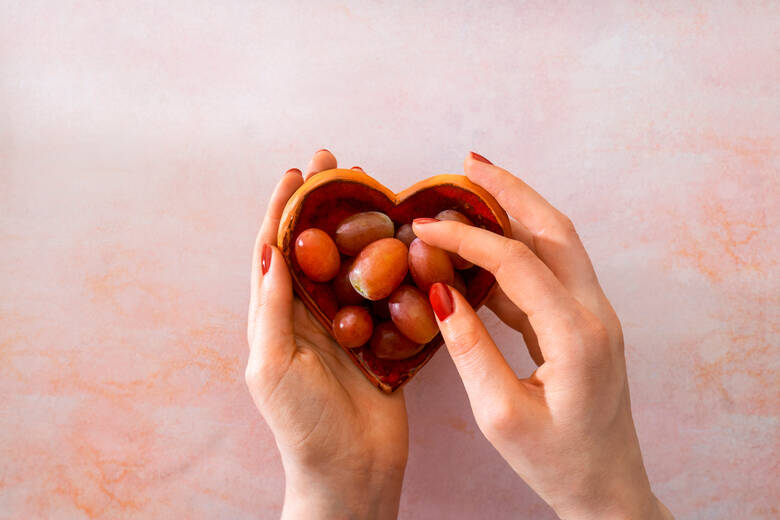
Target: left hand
[343, 443]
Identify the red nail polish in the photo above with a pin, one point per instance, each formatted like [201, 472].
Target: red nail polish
[479, 158]
[425, 220]
[322, 150]
[294, 170]
[441, 300]
[265, 260]
[357, 168]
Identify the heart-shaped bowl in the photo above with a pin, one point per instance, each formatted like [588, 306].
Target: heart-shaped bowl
[328, 197]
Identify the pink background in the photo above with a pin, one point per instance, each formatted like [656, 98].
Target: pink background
[139, 142]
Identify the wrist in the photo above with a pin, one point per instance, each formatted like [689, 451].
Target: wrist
[648, 508]
[365, 492]
[628, 502]
[623, 492]
[617, 487]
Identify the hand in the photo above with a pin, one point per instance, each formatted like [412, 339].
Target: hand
[567, 429]
[343, 443]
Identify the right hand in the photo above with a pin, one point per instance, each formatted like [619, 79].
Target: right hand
[567, 430]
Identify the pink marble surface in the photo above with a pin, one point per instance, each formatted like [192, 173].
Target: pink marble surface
[139, 143]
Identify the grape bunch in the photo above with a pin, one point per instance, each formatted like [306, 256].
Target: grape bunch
[380, 276]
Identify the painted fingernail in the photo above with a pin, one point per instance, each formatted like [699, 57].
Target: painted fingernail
[426, 220]
[265, 260]
[293, 170]
[322, 150]
[357, 168]
[479, 158]
[441, 300]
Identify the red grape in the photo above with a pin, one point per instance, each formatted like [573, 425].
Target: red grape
[345, 293]
[456, 216]
[379, 268]
[317, 255]
[356, 232]
[429, 265]
[352, 326]
[458, 283]
[412, 314]
[388, 343]
[405, 234]
[458, 262]
[380, 309]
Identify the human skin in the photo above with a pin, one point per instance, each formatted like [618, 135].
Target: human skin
[567, 430]
[343, 444]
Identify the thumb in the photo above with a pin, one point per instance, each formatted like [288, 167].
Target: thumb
[272, 343]
[493, 388]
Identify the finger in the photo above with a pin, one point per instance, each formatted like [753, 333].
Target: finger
[595, 300]
[527, 282]
[272, 344]
[290, 182]
[321, 161]
[506, 311]
[553, 234]
[521, 233]
[489, 381]
[358, 168]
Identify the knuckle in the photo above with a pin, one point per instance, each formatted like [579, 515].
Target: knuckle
[267, 300]
[260, 366]
[515, 252]
[566, 226]
[516, 249]
[261, 381]
[252, 376]
[615, 331]
[260, 372]
[466, 340]
[588, 340]
[558, 224]
[597, 333]
[500, 420]
[597, 342]
[462, 244]
[503, 191]
[262, 300]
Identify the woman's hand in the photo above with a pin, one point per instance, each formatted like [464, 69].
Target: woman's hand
[567, 429]
[343, 443]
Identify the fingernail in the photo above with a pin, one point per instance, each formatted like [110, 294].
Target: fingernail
[441, 300]
[426, 220]
[479, 158]
[293, 170]
[322, 150]
[265, 260]
[357, 168]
